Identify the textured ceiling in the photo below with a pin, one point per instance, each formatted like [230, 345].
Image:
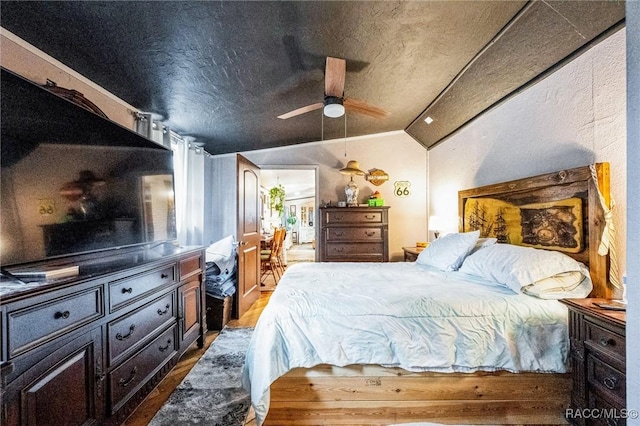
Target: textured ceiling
[223, 71]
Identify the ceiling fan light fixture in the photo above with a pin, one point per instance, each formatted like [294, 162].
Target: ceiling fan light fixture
[333, 107]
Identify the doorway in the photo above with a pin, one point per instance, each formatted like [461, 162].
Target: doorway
[300, 213]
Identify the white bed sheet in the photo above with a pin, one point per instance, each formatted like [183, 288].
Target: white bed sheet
[403, 315]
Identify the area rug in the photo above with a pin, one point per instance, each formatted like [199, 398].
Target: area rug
[300, 253]
[211, 393]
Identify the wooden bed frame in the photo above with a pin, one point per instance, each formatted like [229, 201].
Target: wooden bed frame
[373, 395]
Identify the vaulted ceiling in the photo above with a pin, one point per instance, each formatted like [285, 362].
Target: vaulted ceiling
[222, 71]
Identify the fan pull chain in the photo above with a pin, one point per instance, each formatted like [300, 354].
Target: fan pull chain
[345, 134]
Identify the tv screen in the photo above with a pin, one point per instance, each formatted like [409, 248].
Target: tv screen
[73, 182]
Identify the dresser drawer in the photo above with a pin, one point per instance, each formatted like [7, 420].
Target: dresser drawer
[130, 289]
[607, 414]
[354, 252]
[126, 332]
[608, 381]
[354, 234]
[125, 380]
[35, 325]
[190, 266]
[354, 216]
[602, 339]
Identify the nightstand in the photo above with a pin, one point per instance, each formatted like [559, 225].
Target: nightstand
[411, 253]
[598, 359]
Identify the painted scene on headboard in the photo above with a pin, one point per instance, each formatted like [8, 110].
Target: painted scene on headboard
[555, 225]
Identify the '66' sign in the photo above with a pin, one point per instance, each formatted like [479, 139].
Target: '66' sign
[402, 188]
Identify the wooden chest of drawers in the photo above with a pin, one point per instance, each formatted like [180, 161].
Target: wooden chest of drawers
[354, 234]
[598, 363]
[88, 349]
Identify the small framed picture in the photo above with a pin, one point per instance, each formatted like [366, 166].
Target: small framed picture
[292, 210]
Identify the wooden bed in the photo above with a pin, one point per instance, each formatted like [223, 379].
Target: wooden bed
[373, 395]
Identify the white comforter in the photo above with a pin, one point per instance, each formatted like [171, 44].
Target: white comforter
[402, 315]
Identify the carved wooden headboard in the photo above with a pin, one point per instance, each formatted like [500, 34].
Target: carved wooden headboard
[570, 198]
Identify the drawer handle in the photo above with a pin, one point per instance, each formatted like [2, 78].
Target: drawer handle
[163, 276]
[607, 342]
[124, 383]
[338, 233]
[610, 382]
[127, 290]
[63, 315]
[366, 216]
[339, 249]
[161, 312]
[164, 348]
[370, 233]
[119, 336]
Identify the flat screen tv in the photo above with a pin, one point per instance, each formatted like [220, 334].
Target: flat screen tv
[73, 182]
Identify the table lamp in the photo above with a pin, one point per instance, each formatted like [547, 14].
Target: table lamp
[435, 225]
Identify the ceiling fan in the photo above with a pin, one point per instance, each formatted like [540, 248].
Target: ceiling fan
[335, 103]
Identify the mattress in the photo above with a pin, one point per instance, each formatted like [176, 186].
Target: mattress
[403, 315]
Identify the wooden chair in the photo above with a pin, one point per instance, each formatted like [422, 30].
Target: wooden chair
[279, 252]
[269, 258]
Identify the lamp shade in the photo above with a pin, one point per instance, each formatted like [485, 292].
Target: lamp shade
[352, 168]
[435, 223]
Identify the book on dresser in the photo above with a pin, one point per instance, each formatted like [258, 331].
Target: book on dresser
[46, 272]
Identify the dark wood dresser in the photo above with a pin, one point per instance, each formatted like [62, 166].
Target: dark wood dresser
[598, 363]
[88, 349]
[354, 234]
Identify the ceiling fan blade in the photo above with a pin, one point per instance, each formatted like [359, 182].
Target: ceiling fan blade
[334, 77]
[302, 110]
[362, 107]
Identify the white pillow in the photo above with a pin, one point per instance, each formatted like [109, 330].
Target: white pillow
[448, 252]
[517, 266]
[483, 242]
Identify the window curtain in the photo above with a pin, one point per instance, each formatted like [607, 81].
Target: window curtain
[188, 165]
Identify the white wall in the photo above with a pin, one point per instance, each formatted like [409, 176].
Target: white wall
[574, 117]
[221, 197]
[396, 153]
[633, 206]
